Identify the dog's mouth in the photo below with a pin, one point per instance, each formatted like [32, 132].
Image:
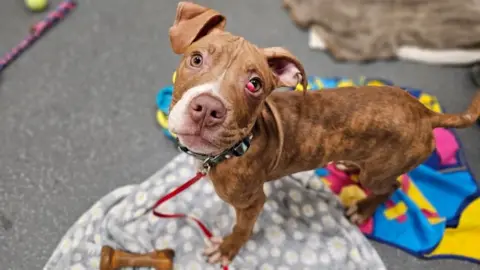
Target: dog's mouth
[199, 144]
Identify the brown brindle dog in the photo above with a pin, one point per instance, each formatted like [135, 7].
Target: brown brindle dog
[224, 103]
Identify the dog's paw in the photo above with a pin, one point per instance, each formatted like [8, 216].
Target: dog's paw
[214, 252]
[221, 250]
[357, 214]
[347, 167]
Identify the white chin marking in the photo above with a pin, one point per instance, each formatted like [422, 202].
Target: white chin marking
[177, 117]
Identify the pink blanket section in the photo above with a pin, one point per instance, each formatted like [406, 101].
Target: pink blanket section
[447, 146]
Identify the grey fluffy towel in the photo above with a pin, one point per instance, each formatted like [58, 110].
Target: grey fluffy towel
[381, 29]
[301, 227]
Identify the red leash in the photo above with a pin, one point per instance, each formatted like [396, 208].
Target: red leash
[174, 193]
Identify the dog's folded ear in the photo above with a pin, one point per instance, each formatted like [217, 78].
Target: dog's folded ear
[193, 22]
[285, 67]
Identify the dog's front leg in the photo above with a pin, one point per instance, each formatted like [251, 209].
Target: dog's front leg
[224, 250]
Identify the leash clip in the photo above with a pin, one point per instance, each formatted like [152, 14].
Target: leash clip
[206, 166]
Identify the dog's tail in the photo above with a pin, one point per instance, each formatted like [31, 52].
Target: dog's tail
[460, 120]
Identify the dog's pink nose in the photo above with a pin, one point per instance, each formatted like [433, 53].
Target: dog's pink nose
[208, 109]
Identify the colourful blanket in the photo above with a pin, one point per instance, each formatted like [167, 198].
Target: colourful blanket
[436, 212]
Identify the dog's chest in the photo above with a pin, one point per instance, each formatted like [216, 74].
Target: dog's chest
[232, 190]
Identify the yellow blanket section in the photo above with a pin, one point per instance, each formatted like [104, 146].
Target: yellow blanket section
[463, 241]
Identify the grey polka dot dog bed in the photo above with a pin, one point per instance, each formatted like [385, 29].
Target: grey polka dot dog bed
[302, 226]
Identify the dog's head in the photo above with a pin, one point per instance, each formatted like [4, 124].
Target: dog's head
[222, 80]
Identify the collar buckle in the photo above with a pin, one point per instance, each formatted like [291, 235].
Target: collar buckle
[241, 147]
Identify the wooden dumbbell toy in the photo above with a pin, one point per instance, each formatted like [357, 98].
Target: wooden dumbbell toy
[111, 259]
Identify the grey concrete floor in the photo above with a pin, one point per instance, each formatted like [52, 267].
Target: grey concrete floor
[77, 111]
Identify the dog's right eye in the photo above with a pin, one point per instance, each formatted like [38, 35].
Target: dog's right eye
[196, 60]
[254, 84]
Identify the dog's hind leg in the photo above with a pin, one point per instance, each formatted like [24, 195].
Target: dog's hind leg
[382, 182]
[363, 209]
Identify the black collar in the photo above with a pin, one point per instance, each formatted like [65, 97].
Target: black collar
[209, 161]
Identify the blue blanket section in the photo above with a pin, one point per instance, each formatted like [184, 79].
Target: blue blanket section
[446, 192]
[415, 234]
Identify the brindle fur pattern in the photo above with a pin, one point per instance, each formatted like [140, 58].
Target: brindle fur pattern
[380, 132]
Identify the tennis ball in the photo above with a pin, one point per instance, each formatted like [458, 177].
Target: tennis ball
[36, 5]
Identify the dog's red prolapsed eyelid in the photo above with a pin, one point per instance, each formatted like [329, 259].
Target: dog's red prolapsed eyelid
[251, 89]
[254, 83]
